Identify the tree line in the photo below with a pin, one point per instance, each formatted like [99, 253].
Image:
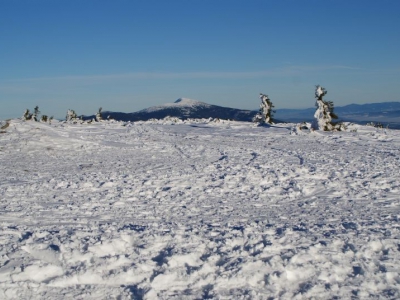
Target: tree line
[324, 114]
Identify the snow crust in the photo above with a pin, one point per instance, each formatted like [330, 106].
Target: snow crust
[201, 209]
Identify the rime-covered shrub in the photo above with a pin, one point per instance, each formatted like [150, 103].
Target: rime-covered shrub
[99, 116]
[31, 116]
[264, 115]
[27, 115]
[324, 113]
[71, 116]
[36, 113]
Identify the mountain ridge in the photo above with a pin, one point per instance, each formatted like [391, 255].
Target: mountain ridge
[369, 112]
[185, 108]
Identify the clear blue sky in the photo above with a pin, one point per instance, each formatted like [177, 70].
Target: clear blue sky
[128, 55]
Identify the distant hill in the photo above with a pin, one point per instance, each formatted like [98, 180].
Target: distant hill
[385, 113]
[183, 108]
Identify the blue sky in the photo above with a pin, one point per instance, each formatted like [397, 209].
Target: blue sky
[128, 55]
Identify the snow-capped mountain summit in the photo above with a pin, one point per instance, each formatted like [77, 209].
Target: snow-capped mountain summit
[189, 102]
[185, 108]
[181, 103]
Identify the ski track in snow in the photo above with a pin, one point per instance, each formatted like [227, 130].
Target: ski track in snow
[198, 211]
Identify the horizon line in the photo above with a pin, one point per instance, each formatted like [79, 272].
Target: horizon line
[282, 71]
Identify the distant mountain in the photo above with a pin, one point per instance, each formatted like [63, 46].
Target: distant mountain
[385, 113]
[184, 108]
[295, 115]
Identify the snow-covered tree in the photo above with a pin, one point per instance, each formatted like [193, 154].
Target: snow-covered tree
[264, 115]
[71, 115]
[36, 113]
[99, 117]
[324, 113]
[27, 115]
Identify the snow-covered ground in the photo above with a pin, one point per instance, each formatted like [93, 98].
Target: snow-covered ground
[198, 210]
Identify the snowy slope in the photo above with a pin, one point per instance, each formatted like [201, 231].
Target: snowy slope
[198, 210]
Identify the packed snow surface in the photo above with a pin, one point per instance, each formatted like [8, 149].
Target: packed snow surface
[198, 210]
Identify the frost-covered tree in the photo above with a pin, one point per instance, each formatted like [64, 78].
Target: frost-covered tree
[71, 115]
[36, 113]
[99, 117]
[27, 115]
[324, 113]
[31, 116]
[264, 115]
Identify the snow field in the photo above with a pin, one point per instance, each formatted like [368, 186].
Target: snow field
[197, 210]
